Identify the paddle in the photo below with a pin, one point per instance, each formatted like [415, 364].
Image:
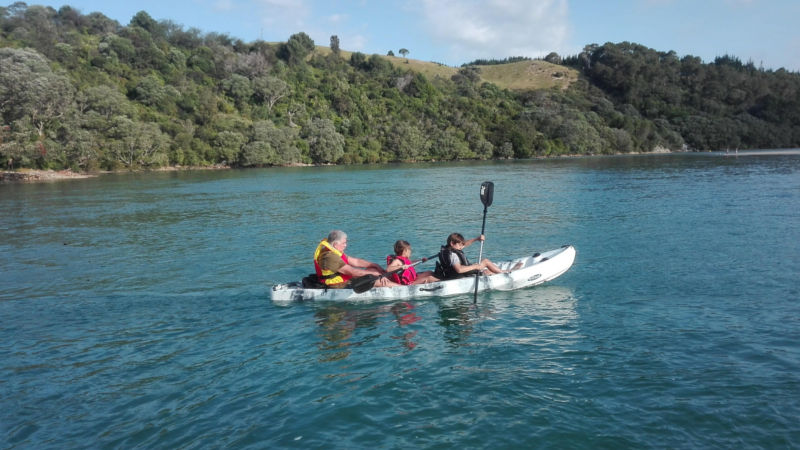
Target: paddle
[487, 194]
[366, 282]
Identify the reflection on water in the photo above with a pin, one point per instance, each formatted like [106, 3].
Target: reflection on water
[458, 316]
[551, 304]
[544, 315]
[405, 315]
[337, 325]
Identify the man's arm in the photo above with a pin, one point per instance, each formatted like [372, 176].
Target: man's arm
[368, 267]
[347, 269]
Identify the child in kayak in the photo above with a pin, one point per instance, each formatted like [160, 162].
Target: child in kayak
[402, 260]
[454, 264]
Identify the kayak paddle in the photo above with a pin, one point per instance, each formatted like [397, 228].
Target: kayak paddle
[487, 194]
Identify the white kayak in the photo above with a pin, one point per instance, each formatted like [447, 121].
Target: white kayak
[536, 269]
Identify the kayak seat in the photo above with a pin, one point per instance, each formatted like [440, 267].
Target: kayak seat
[312, 282]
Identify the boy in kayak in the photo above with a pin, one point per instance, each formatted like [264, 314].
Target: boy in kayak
[454, 264]
[335, 269]
[402, 259]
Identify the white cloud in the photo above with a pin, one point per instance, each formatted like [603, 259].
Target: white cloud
[337, 18]
[223, 5]
[283, 14]
[355, 42]
[497, 28]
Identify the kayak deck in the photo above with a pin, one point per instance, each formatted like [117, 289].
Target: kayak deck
[536, 269]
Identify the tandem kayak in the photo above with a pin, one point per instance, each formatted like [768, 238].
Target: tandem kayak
[536, 269]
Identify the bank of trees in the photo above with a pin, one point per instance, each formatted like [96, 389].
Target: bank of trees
[83, 91]
[724, 104]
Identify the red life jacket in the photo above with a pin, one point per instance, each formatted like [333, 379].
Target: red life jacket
[405, 277]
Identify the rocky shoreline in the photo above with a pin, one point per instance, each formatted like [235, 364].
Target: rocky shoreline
[33, 175]
[30, 175]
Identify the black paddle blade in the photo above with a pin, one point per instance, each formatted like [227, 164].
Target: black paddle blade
[363, 284]
[487, 193]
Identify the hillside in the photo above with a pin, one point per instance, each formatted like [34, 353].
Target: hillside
[522, 75]
[86, 93]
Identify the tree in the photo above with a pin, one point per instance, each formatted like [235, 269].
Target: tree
[269, 90]
[238, 88]
[143, 20]
[152, 91]
[298, 47]
[30, 89]
[270, 145]
[325, 144]
[228, 145]
[407, 142]
[553, 58]
[138, 143]
[335, 44]
[404, 52]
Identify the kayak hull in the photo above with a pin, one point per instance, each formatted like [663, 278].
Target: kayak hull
[535, 270]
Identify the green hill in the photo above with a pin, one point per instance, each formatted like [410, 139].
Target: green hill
[85, 92]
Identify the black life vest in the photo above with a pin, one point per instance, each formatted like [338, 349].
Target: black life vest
[444, 268]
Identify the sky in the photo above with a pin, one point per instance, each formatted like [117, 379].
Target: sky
[454, 32]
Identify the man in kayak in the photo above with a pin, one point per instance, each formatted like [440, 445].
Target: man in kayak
[335, 269]
[454, 264]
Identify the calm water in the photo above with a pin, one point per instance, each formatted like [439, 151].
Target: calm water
[134, 309]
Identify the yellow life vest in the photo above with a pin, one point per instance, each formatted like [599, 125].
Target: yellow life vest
[329, 277]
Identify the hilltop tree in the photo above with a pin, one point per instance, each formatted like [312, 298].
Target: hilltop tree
[404, 52]
[335, 44]
[553, 58]
[298, 47]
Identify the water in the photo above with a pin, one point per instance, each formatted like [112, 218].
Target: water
[135, 310]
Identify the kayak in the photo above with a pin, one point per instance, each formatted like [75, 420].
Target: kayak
[536, 269]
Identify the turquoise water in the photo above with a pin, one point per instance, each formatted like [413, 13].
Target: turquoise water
[136, 314]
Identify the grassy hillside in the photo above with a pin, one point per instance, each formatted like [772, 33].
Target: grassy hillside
[529, 75]
[518, 76]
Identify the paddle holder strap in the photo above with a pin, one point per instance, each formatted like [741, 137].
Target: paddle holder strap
[487, 194]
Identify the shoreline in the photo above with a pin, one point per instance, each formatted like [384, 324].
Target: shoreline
[36, 176]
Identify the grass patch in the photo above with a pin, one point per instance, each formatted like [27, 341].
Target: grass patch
[519, 76]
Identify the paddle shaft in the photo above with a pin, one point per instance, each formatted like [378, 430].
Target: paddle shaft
[487, 195]
[480, 255]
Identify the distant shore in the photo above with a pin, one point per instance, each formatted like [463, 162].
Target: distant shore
[33, 175]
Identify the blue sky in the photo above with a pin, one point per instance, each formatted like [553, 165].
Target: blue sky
[457, 31]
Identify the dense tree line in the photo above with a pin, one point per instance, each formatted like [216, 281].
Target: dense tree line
[84, 92]
[724, 104]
